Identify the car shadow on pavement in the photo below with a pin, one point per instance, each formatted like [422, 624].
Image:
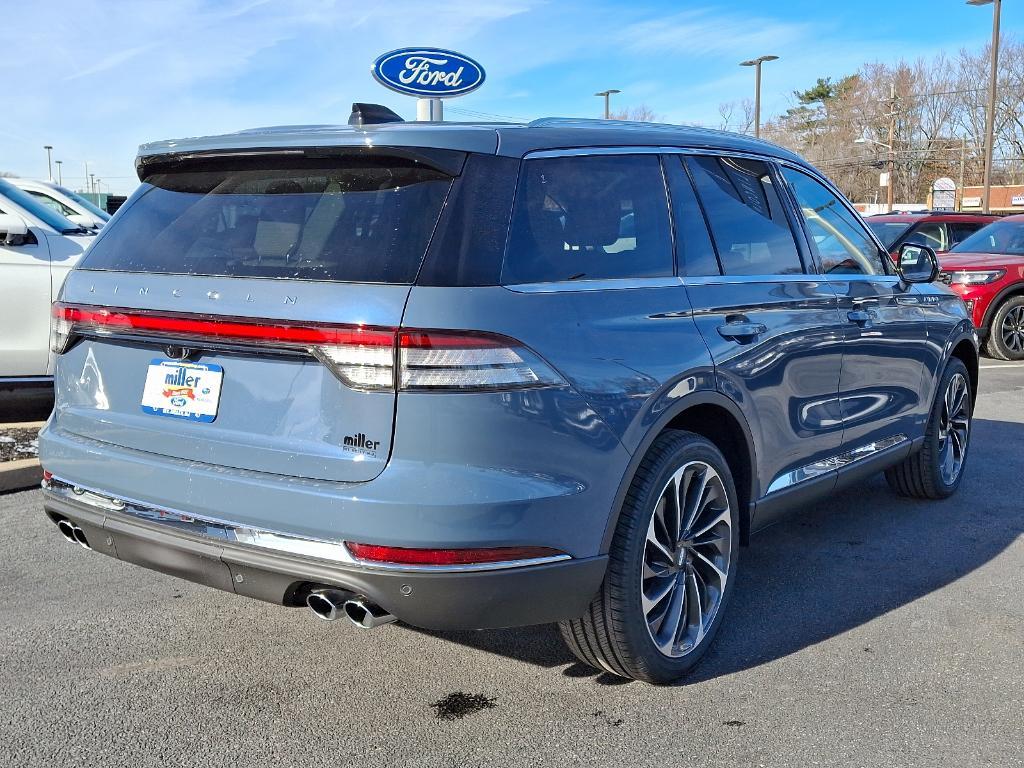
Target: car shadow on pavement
[835, 565]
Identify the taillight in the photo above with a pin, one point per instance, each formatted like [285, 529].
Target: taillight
[374, 553]
[445, 360]
[363, 357]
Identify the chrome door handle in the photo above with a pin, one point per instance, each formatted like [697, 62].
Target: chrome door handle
[741, 331]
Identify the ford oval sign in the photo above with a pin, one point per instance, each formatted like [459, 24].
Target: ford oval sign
[428, 72]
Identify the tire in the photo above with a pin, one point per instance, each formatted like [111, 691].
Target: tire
[614, 635]
[1006, 334]
[926, 474]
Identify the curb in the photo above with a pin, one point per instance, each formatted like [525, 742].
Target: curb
[19, 475]
[22, 473]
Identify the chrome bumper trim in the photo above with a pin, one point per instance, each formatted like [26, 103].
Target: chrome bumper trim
[238, 533]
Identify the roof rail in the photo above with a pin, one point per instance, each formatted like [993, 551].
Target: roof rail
[596, 122]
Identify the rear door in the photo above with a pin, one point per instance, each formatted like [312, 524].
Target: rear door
[887, 359]
[770, 323]
[242, 312]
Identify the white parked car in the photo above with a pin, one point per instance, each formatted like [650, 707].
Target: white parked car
[38, 247]
[67, 203]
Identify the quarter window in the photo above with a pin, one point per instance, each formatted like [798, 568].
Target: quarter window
[747, 220]
[589, 218]
[842, 242]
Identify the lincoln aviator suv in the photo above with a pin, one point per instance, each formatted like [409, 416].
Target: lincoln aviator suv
[489, 375]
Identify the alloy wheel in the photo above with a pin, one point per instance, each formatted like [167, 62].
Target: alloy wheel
[686, 558]
[954, 428]
[1012, 329]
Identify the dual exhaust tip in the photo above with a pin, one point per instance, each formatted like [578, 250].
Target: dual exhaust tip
[331, 604]
[72, 533]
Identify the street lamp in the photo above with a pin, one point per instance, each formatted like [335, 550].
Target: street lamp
[49, 165]
[990, 118]
[58, 163]
[607, 103]
[756, 63]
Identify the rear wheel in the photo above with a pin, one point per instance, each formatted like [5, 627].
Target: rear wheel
[1006, 336]
[935, 471]
[671, 566]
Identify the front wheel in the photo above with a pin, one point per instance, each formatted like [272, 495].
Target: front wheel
[671, 569]
[1006, 336]
[935, 471]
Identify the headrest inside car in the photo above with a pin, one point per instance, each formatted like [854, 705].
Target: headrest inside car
[593, 221]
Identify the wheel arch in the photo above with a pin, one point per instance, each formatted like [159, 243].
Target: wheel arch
[717, 418]
[1016, 289]
[966, 351]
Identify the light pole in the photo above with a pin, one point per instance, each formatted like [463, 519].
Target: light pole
[92, 183]
[49, 164]
[60, 179]
[607, 101]
[990, 117]
[756, 64]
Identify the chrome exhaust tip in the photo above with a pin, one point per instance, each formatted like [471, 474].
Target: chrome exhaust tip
[367, 615]
[67, 530]
[79, 536]
[327, 604]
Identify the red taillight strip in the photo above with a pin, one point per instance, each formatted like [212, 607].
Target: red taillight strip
[256, 330]
[375, 553]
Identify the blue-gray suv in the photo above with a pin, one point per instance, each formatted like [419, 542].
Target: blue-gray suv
[483, 375]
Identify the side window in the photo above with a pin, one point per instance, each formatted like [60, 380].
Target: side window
[747, 220]
[841, 241]
[694, 251]
[930, 233]
[960, 232]
[594, 217]
[52, 202]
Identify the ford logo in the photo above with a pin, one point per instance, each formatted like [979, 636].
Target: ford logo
[428, 72]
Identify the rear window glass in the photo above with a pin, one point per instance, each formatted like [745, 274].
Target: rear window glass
[589, 218]
[358, 219]
[749, 225]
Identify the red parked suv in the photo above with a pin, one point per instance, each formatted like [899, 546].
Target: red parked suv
[987, 270]
[940, 231]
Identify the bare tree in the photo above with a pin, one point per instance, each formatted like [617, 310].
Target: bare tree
[640, 114]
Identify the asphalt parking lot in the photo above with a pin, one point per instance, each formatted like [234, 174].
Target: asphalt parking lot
[867, 631]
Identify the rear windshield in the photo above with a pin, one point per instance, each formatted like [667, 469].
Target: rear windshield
[359, 219]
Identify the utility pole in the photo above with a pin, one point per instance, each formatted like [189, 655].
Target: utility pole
[963, 163]
[889, 190]
[756, 64]
[59, 163]
[607, 101]
[85, 184]
[990, 116]
[49, 164]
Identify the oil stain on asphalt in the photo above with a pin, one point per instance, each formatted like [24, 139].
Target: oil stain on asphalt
[456, 706]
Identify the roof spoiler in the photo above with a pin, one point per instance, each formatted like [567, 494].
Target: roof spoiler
[372, 114]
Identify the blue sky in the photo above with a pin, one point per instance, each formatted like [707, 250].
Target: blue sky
[95, 78]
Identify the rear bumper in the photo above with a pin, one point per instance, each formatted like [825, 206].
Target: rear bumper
[434, 598]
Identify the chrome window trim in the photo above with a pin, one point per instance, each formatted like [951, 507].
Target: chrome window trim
[803, 277]
[607, 284]
[218, 530]
[824, 466]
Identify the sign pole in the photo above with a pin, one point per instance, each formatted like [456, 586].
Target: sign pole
[430, 110]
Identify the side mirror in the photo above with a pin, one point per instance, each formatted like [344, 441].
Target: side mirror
[13, 229]
[85, 222]
[917, 264]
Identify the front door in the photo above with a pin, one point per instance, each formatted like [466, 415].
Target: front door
[25, 307]
[886, 359]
